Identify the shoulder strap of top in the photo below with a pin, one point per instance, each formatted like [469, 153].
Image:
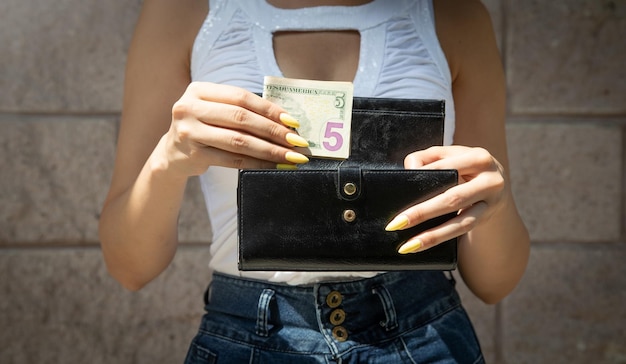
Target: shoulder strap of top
[220, 13]
[424, 19]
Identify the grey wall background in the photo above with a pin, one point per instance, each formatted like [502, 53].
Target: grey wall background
[61, 72]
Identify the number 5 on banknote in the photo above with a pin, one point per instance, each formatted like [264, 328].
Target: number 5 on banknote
[333, 141]
[323, 108]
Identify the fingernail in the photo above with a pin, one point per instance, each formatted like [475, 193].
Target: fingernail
[398, 223]
[286, 167]
[296, 140]
[296, 158]
[411, 246]
[289, 120]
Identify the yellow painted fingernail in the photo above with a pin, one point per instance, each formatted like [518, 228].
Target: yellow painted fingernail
[286, 167]
[289, 120]
[296, 140]
[296, 158]
[411, 246]
[398, 223]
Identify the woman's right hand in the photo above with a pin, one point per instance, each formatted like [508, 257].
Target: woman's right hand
[220, 125]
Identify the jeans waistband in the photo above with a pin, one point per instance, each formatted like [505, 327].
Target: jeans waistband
[367, 308]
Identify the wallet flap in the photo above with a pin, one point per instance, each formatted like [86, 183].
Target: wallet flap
[294, 220]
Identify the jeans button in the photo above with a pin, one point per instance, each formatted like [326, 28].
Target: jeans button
[337, 317]
[340, 333]
[334, 299]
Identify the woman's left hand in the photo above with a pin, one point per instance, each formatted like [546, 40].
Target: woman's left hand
[481, 191]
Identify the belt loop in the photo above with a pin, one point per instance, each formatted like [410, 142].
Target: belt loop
[263, 312]
[450, 277]
[390, 310]
[207, 294]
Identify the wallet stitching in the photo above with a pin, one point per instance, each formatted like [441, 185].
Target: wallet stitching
[424, 114]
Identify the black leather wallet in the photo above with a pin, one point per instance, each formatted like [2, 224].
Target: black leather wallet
[330, 215]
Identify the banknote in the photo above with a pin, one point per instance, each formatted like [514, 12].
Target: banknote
[323, 108]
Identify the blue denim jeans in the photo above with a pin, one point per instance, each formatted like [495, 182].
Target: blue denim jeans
[397, 317]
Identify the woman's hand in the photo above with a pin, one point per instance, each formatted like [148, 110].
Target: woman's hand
[218, 125]
[480, 193]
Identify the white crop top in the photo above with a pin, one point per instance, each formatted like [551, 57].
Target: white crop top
[400, 57]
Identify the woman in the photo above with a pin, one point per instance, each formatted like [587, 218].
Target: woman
[189, 109]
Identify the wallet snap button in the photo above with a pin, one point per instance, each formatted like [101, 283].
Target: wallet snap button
[337, 317]
[334, 299]
[340, 333]
[349, 215]
[349, 188]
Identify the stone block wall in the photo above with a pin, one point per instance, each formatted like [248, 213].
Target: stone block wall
[61, 72]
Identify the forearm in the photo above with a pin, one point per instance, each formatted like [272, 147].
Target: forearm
[138, 228]
[493, 256]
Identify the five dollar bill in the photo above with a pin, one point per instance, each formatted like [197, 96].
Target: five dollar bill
[323, 108]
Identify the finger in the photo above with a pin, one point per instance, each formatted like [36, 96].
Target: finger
[236, 96]
[467, 161]
[420, 158]
[238, 118]
[241, 143]
[223, 158]
[430, 155]
[452, 200]
[464, 222]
